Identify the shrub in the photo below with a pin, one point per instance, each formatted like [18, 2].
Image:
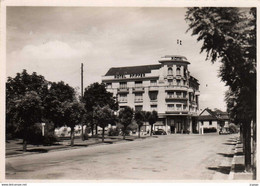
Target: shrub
[209, 130]
[233, 128]
[113, 131]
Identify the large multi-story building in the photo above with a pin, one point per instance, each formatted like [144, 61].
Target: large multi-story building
[167, 88]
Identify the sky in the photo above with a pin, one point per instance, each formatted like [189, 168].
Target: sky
[54, 41]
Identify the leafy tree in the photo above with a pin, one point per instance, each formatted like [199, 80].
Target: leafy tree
[229, 36]
[140, 119]
[97, 95]
[72, 116]
[103, 116]
[151, 117]
[125, 118]
[18, 91]
[58, 93]
[26, 110]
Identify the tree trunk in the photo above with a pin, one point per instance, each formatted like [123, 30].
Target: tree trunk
[139, 129]
[151, 130]
[82, 133]
[241, 133]
[247, 129]
[254, 149]
[96, 129]
[24, 145]
[25, 140]
[72, 136]
[124, 133]
[103, 134]
[92, 130]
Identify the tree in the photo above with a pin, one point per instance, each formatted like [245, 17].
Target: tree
[103, 116]
[229, 36]
[58, 93]
[18, 92]
[140, 119]
[151, 117]
[25, 110]
[125, 118]
[72, 116]
[97, 95]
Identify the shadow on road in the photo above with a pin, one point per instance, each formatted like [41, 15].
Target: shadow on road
[228, 143]
[36, 150]
[226, 155]
[239, 168]
[221, 169]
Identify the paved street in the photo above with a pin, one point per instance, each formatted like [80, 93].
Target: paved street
[175, 157]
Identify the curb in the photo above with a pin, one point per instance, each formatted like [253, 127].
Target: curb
[233, 163]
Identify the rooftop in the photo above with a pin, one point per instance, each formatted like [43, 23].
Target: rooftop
[132, 70]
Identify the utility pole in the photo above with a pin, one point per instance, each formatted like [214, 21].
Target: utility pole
[82, 133]
[81, 80]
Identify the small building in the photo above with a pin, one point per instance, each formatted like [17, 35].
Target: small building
[213, 120]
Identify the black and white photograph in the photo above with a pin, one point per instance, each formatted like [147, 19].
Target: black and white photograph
[130, 93]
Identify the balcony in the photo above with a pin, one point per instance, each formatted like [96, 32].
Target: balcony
[138, 89]
[122, 100]
[190, 90]
[176, 87]
[154, 88]
[138, 100]
[169, 97]
[177, 111]
[197, 93]
[153, 101]
[123, 90]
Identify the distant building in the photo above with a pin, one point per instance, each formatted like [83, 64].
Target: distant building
[213, 119]
[167, 88]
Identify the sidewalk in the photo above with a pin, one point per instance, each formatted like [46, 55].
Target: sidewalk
[238, 168]
[14, 147]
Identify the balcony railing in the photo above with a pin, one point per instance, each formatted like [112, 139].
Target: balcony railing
[138, 100]
[176, 87]
[153, 88]
[138, 89]
[122, 100]
[176, 97]
[123, 89]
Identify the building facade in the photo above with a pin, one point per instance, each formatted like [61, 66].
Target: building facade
[213, 119]
[167, 88]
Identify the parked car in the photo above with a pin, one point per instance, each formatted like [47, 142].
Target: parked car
[224, 131]
[159, 132]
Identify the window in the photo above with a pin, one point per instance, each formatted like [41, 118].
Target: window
[201, 122]
[122, 98]
[153, 96]
[184, 94]
[138, 97]
[178, 106]
[178, 71]
[210, 122]
[178, 82]
[184, 107]
[170, 94]
[184, 82]
[178, 94]
[138, 84]
[109, 85]
[170, 72]
[154, 107]
[138, 107]
[123, 85]
[170, 82]
[171, 107]
[153, 82]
